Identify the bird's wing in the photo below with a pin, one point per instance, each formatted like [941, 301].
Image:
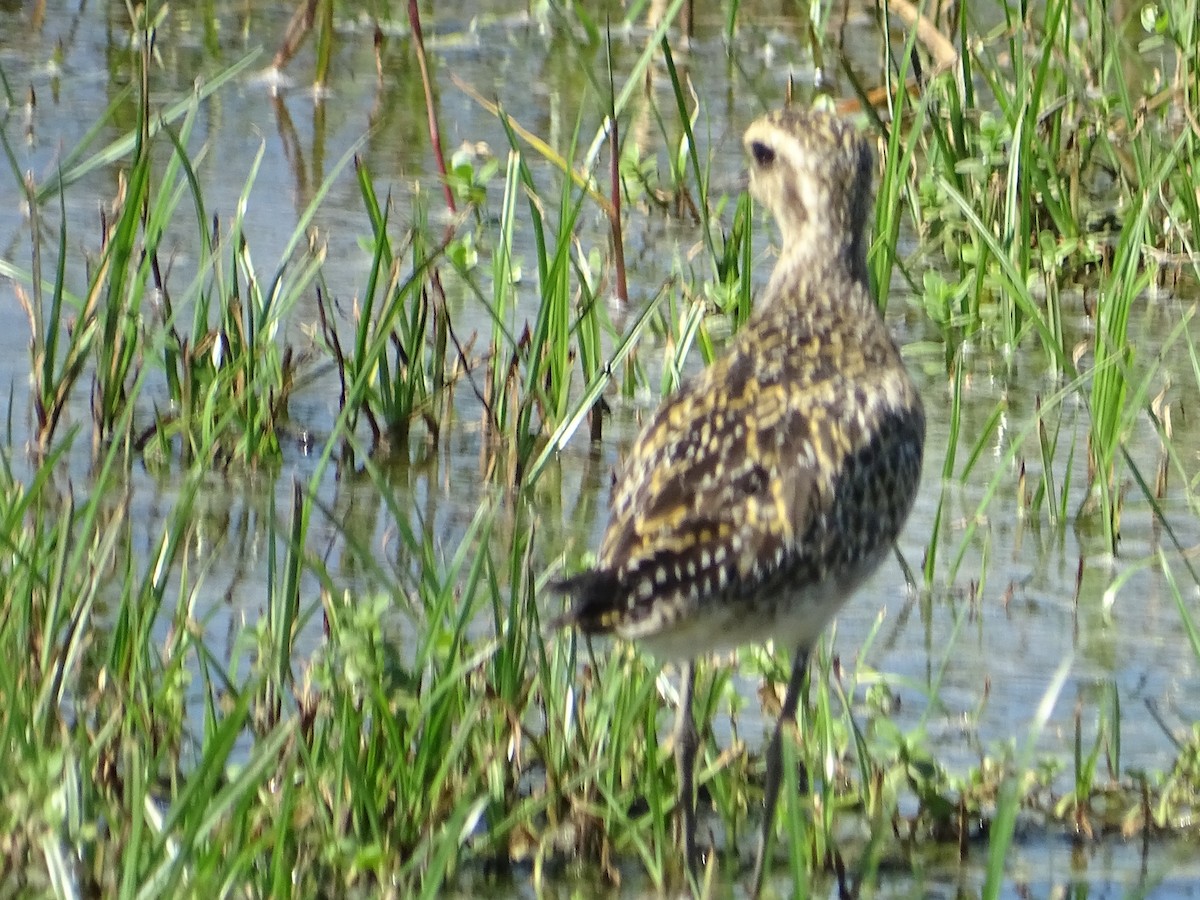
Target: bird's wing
[707, 503]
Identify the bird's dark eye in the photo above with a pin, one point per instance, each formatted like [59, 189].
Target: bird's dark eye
[763, 155]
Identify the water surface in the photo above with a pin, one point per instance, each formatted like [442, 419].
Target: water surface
[1027, 594]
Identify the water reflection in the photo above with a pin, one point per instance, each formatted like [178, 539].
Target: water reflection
[1014, 591]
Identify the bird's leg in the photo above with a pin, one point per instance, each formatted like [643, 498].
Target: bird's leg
[775, 765]
[687, 742]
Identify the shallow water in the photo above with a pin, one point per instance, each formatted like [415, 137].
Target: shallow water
[1027, 594]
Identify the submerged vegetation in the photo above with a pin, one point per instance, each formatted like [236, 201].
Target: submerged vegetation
[385, 712]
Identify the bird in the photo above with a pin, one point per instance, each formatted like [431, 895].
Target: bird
[771, 484]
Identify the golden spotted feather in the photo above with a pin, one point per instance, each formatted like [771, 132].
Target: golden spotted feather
[772, 483]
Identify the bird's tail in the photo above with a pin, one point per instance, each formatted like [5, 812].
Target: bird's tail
[592, 593]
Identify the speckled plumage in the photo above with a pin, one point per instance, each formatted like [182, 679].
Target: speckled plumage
[770, 485]
[767, 487]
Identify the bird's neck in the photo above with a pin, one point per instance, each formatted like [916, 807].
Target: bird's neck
[825, 245]
[815, 262]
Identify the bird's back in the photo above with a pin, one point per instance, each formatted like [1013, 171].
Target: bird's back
[769, 485]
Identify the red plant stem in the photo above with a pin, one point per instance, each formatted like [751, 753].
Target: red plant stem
[435, 138]
[615, 218]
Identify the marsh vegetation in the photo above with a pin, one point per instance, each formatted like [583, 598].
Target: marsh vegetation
[313, 390]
